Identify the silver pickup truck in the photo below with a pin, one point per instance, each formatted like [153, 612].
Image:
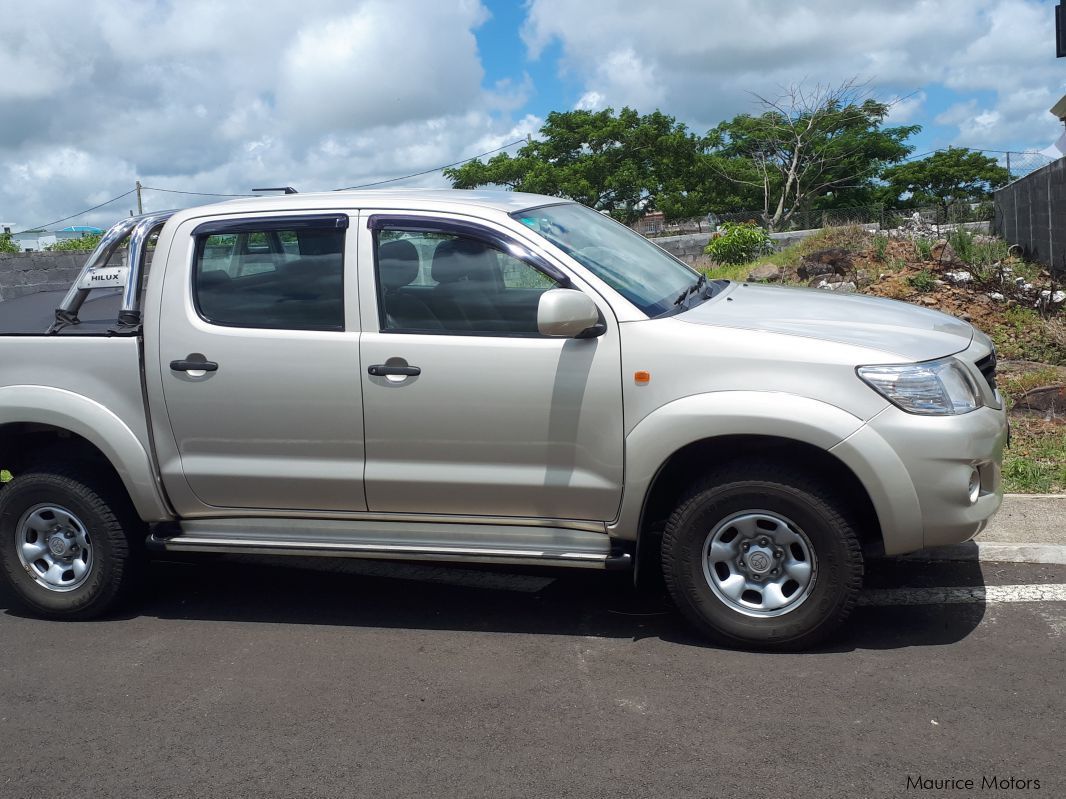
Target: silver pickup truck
[480, 377]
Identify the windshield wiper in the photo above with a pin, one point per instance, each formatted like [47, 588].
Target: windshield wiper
[695, 288]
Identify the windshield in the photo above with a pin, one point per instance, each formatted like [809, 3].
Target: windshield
[621, 258]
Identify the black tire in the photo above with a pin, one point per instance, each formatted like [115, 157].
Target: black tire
[768, 487]
[108, 518]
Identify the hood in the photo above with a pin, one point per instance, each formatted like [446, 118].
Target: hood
[908, 331]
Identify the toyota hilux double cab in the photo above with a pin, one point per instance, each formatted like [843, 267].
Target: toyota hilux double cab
[480, 377]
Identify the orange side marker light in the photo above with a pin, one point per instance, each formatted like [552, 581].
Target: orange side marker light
[642, 378]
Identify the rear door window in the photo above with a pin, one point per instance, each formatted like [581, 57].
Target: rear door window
[271, 274]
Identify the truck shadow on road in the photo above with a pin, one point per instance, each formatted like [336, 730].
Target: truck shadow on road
[380, 594]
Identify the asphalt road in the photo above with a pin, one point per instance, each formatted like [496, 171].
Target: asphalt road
[240, 678]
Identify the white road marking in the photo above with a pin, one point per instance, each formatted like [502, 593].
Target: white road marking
[994, 551]
[1048, 592]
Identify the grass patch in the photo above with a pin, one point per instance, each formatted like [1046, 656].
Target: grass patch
[1035, 461]
[1024, 335]
[853, 238]
[923, 249]
[922, 281]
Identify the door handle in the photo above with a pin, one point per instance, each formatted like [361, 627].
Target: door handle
[194, 363]
[384, 370]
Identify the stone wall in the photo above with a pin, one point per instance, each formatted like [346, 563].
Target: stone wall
[689, 247]
[30, 272]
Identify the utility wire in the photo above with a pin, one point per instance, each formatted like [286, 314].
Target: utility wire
[437, 169]
[72, 216]
[196, 193]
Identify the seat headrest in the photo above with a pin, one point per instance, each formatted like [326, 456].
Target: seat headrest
[213, 277]
[397, 263]
[456, 259]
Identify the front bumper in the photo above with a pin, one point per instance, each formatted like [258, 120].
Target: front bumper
[917, 470]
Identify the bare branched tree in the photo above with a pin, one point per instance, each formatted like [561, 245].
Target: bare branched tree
[807, 143]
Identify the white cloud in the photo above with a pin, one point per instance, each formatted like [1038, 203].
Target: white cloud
[699, 60]
[904, 110]
[223, 96]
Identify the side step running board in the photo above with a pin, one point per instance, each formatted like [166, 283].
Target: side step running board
[459, 544]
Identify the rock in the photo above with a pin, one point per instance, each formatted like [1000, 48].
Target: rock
[944, 253]
[817, 282]
[958, 277]
[831, 261]
[1049, 400]
[863, 278]
[844, 286]
[995, 295]
[927, 300]
[765, 273]
[1047, 299]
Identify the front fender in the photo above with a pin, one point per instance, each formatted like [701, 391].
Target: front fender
[98, 425]
[723, 413]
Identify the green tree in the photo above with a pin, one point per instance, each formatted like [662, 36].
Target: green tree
[810, 148]
[626, 164]
[6, 243]
[945, 178]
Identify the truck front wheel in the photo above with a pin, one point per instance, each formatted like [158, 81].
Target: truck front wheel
[762, 556]
[68, 545]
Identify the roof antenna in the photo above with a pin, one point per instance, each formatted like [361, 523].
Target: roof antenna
[282, 189]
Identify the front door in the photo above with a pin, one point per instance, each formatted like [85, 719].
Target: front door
[468, 410]
[273, 419]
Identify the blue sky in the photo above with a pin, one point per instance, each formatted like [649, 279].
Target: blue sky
[209, 96]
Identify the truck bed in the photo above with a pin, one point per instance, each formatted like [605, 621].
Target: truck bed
[33, 314]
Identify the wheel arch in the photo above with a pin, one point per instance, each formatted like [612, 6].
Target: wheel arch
[668, 448]
[681, 468]
[34, 419]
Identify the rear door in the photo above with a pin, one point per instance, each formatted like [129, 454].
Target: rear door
[273, 419]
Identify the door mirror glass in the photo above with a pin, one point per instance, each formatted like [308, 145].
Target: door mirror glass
[569, 313]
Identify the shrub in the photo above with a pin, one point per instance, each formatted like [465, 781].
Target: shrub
[923, 248]
[922, 281]
[880, 246]
[738, 243]
[87, 242]
[6, 244]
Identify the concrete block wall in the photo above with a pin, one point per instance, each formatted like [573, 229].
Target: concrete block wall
[690, 246]
[30, 272]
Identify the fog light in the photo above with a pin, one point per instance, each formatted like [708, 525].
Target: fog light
[975, 485]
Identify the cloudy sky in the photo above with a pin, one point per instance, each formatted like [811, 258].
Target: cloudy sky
[223, 96]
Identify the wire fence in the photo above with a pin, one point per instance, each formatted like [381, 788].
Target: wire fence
[883, 216]
[1018, 164]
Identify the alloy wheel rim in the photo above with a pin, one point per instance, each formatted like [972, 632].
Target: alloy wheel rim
[54, 547]
[759, 563]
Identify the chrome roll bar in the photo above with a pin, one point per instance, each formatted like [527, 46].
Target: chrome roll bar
[139, 229]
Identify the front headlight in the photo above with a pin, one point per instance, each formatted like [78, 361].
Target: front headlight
[933, 388]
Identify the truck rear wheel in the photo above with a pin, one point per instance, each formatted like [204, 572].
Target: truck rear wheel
[760, 556]
[68, 544]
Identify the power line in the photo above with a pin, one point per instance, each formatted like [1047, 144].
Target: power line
[72, 216]
[196, 193]
[437, 169]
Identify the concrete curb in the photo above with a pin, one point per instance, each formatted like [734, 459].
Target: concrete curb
[994, 551]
